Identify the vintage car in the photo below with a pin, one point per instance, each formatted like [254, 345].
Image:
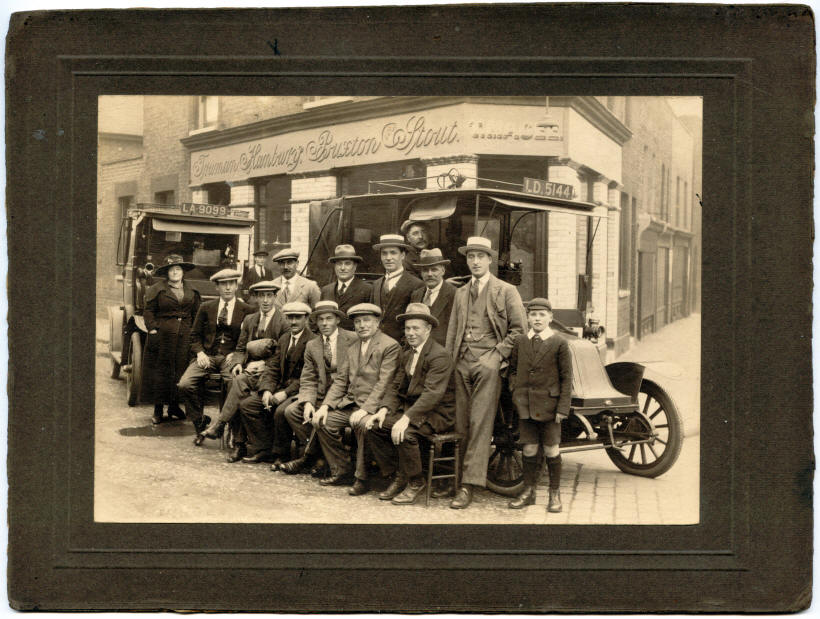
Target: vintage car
[613, 407]
[211, 236]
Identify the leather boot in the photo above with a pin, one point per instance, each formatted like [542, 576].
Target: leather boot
[175, 412]
[554, 466]
[527, 496]
[215, 429]
[157, 417]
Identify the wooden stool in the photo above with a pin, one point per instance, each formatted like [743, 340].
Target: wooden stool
[215, 387]
[437, 441]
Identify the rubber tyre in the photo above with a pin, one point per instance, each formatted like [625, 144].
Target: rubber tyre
[638, 459]
[115, 329]
[133, 379]
[115, 369]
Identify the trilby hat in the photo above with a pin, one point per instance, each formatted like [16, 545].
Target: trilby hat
[344, 252]
[478, 243]
[391, 240]
[327, 307]
[225, 275]
[418, 310]
[173, 260]
[362, 309]
[430, 257]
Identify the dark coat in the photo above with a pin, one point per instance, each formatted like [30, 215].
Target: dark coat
[442, 307]
[203, 333]
[275, 328]
[429, 395]
[358, 291]
[541, 377]
[315, 380]
[395, 303]
[166, 351]
[283, 372]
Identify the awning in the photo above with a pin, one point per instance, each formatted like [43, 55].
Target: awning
[432, 207]
[542, 206]
[166, 225]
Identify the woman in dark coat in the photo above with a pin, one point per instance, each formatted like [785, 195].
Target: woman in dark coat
[170, 308]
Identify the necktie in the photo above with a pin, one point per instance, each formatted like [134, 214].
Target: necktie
[293, 340]
[328, 352]
[263, 324]
[259, 270]
[286, 289]
[342, 289]
[428, 298]
[536, 339]
[474, 289]
[223, 315]
[412, 368]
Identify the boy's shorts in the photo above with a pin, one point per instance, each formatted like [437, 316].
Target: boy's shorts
[538, 432]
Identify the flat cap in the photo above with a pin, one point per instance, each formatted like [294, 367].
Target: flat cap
[362, 309]
[225, 275]
[296, 307]
[286, 254]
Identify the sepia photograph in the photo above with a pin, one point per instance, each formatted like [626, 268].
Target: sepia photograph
[398, 310]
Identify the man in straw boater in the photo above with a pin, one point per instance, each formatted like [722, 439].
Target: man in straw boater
[347, 290]
[292, 286]
[541, 387]
[257, 343]
[392, 291]
[487, 316]
[363, 378]
[214, 337]
[420, 403]
[323, 355]
[263, 409]
[437, 294]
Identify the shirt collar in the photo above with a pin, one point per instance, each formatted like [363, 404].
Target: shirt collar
[435, 290]
[332, 337]
[483, 279]
[545, 334]
[229, 304]
[394, 274]
[293, 337]
[417, 349]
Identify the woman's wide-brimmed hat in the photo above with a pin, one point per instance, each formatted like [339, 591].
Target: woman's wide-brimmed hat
[430, 257]
[478, 243]
[418, 310]
[327, 307]
[391, 240]
[344, 252]
[173, 260]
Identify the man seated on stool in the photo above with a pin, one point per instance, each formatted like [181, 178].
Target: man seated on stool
[541, 387]
[323, 355]
[276, 388]
[214, 336]
[258, 337]
[420, 403]
[356, 393]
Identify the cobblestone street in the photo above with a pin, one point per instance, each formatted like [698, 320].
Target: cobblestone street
[146, 473]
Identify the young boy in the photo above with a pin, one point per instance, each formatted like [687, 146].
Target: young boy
[541, 386]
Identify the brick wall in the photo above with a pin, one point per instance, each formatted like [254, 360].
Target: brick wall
[235, 111]
[561, 267]
[166, 121]
[303, 191]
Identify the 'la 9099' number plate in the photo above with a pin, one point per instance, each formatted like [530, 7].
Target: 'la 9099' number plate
[209, 210]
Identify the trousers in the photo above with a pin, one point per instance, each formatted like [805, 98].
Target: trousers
[191, 386]
[404, 458]
[331, 438]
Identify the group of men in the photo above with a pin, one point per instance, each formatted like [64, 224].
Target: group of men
[324, 365]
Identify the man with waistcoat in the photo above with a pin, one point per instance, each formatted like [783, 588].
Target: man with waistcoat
[487, 316]
[214, 337]
[347, 290]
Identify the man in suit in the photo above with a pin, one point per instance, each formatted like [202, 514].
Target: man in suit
[323, 355]
[292, 286]
[257, 272]
[347, 290]
[541, 387]
[356, 393]
[258, 338]
[392, 291]
[214, 337]
[436, 293]
[276, 389]
[420, 403]
[415, 234]
[487, 316]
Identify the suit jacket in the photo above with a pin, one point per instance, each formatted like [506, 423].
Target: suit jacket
[251, 277]
[441, 308]
[274, 329]
[364, 381]
[541, 377]
[358, 291]
[301, 289]
[429, 394]
[396, 303]
[203, 333]
[506, 312]
[284, 370]
[315, 380]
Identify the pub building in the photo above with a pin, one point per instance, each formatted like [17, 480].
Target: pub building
[280, 159]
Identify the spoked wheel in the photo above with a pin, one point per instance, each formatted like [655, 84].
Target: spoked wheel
[659, 453]
[133, 377]
[505, 472]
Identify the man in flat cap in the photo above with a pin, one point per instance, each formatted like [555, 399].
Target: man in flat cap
[415, 234]
[347, 290]
[541, 387]
[437, 294]
[323, 355]
[292, 286]
[357, 391]
[263, 411]
[487, 316]
[214, 337]
[392, 291]
[420, 403]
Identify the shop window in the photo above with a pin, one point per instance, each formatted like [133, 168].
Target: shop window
[218, 193]
[207, 112]
[509, 172]
[164, 197]
[274, 228]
